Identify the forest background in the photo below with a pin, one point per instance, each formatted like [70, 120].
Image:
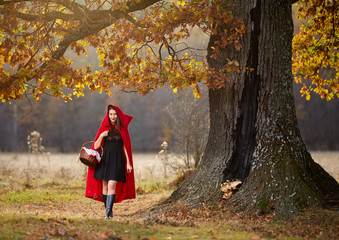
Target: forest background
[159, 116]
[48, 201]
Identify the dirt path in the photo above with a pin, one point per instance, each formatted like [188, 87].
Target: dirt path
[129, 209]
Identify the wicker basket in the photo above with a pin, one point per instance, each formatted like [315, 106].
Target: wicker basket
[87, 159]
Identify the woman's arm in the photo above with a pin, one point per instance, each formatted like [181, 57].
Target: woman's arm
[97, 143]
[129, 166]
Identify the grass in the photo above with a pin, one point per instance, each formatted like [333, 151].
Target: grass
[34, 227]
[40, 192]
[54, 207]
[151, 184]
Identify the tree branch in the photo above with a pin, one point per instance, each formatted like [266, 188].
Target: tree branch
[29, 61]
[6, 2]
[48, 16]
[93, 21]
[74, 7]
[143, 4]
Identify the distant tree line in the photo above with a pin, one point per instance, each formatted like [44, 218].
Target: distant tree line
[318, 121]
[64, 127]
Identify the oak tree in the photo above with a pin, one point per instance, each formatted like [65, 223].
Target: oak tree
[253, 135]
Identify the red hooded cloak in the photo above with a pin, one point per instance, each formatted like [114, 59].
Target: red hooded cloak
[123, 190]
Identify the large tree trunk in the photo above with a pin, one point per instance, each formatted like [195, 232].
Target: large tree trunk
[254, 134]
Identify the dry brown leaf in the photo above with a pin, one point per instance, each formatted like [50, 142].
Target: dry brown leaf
[228, 188]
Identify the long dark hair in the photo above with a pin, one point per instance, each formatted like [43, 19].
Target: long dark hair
[114, 132]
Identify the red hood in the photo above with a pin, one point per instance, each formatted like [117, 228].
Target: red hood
[125, 118]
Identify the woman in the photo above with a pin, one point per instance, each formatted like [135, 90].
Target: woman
[112, 180]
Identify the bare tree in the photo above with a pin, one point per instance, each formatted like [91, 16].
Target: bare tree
[190, 125]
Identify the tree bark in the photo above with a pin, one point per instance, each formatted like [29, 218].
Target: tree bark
[254, 135]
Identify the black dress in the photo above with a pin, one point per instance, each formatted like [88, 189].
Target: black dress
[112, 164]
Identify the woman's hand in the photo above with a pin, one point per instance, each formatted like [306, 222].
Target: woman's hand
[128, 165]
[97, 143]
[129, 168]
[104, 134]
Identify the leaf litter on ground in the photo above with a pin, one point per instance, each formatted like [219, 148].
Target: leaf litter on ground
[54, 213]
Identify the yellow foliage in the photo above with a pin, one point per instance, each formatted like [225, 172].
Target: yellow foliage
[140, 48]
[316, 49]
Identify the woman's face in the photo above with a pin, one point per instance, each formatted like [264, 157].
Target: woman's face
[112, 114]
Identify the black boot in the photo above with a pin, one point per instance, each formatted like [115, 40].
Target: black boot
[104, 199]
[109, 206]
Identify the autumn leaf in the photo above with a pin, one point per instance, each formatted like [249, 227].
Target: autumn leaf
[143, 45]
[315, 59]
